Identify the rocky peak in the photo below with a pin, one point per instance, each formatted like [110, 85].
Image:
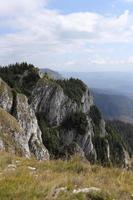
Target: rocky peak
[68, 116]
[50, 99]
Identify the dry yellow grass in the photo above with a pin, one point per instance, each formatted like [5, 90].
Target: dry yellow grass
[24, 183]
[7, 121]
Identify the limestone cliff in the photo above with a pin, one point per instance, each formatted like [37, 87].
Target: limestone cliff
[6, 97]
[71, 123]
[29, 135]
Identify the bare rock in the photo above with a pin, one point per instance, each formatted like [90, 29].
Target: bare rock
[86, 190]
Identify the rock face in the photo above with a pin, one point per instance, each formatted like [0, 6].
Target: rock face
[11, 134]
[27, 120]
[65, 118]
[6, 97]
[28, 135]
[49, 99]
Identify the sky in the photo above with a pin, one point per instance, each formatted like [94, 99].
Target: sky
[68, 35]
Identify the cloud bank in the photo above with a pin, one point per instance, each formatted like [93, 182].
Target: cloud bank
[30, 31]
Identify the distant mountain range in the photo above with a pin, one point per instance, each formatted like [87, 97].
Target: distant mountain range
[120, 83]
[53, 74]
[114, 106]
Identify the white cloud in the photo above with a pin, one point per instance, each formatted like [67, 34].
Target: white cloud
[13, 7]
[130, 60]
[109, 61]
[37, 33]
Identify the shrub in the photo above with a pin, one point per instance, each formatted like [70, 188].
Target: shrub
[50, 136]
[76, 121]
[95, 115]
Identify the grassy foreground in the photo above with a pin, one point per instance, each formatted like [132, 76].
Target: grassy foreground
[24, 179]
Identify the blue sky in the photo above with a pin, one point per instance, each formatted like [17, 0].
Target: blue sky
[99, 6]
[68, 35]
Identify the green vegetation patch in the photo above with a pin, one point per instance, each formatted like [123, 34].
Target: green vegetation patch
[95, 115]
[125, 131]
[116, 145]
[77, 121]
[50, 136]
[100, 144]
[21, 76]
[73, 88]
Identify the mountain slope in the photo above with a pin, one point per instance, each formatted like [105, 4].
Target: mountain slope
[66, 112]
[114, 82]
[61, 115]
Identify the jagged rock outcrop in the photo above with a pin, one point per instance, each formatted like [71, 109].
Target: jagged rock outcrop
[27, 119]
[74, 125]
[49, 99]
[11, 135]
[6, 97]
[28, 136]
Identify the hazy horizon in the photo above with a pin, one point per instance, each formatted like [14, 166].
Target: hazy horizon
[72, 71]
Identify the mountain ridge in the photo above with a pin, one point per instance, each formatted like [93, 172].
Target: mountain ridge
[65, 117]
